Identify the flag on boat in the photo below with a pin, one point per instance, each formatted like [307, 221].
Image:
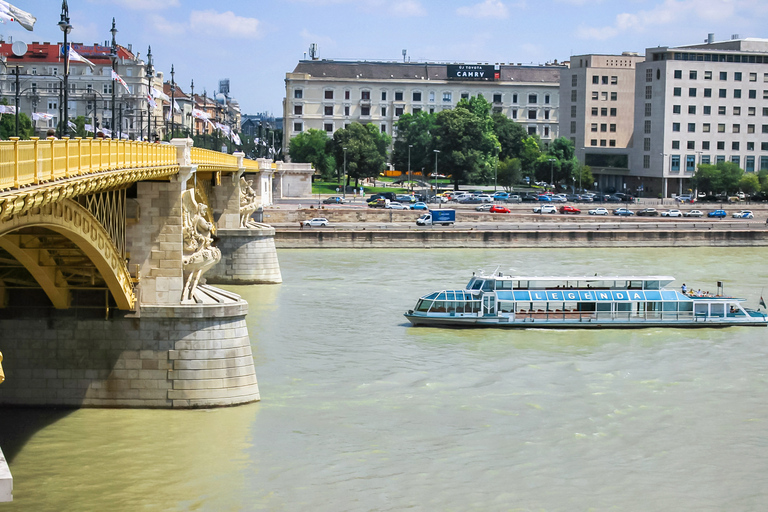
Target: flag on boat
[118, 78]
[12, 13]
[76, 57]
[762, 302]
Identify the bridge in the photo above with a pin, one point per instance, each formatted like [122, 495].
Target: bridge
[108, 250]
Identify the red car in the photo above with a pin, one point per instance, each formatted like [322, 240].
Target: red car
[569, 209]
[499, 209]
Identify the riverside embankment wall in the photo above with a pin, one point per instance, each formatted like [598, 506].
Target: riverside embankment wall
[438, 238]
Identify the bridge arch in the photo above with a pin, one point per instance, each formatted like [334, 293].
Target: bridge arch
[74, 222]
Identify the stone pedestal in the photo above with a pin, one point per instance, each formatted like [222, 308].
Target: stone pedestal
[6, 480]
[163, 357]
[248, 256]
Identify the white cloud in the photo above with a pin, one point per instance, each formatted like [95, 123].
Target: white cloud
[486, 9]
[225, 24]
[407, 8]
[144, 5]
[168, 28]
[322, 41]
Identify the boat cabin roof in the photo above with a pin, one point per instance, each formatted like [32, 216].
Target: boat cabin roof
[664, 279]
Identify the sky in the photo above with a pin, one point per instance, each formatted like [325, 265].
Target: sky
[254, 43]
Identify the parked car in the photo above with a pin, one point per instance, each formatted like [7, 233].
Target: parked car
[671, 213]
[513, 198]
[694, 213]
[599, 211]
[397, 206]
[499, 209]
[744, 214]
[559, 198]
[545, 208]
[470, 200]
[566, 208]
[484, 207]
[614, 199]
[717, 213]
[623, 212]
[420, 206]
[334, 200]
[405, 198]
[500, 196]
[648, 212]
[529, 198]
[317, 222]
[484, 198]
[545, 198]
[573, 197]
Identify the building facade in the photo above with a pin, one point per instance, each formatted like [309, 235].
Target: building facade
[329, 95]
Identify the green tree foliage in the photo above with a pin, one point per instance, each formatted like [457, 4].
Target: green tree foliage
[529, 156]
[467, 144]
[366, 151]
[565, 169]
[8, 125]
[763, 177]
[511, 136]
[749, 183]
[723, 177]
[509, 173]
[414, 129]
[312, 147]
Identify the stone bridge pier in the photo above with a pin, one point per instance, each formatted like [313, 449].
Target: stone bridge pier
[179, 342]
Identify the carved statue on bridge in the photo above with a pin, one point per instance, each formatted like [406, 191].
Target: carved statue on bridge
[199, 252]
[2, 375]
[248, 203]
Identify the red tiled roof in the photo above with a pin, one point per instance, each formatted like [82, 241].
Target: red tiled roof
[49, 53]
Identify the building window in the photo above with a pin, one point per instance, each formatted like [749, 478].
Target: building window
[691, 92]
[497, 98]
[614, 96]
[705, 159]
[647, 127]
[707, 110]
[721, 128]
[690, 163]
[383, 111]
[106, 88]
[533, 98]
[753, 94]
[595, 111]
[750, 146]
[692, 75]
[737, 93]
[705, 145]
[647, 144]
[596, 79]
[546, 99]
[737, 76]
[737, 111]
[416, 110]
[723, 93]
[691, 144]
[647, 109]
[614, 80]
[297, 109]
[573, 126]
[612, 143]
[692, 109]
[383, 128]
[365, 95]
[328, 110]
[416, 96]
[750, 164]
[594, 127]
[677, 91]
[753, 77]
[593, 142]
[675, 163]
[707, 93]
[612, 127]
[675, 144]
[595, 95]
[574, 96]
[573, 110]
[383, 95]
[603, 143]
[737, 128]
[531, 113]
[721, 111]
[765, 95]
[546, 114]
[531, 130]
[675, 127]
[298, 94]
[297, 127]
[763, 163]
[329, 95]
[721, 145]
[432, 96]
[447, 97]
[346, 95]
[678, 73]
[646, 161]
[546, 131]
[514, 98]
[719, 159]
[346, 110]
[398, 95]
[574, 80]
[603, 127]
[328, 127]
[398, 111]
[707, 75]
[705, 127]
[648, 75]
[604, 111]
[675, 109]
[691, 127]
[648, 92]
[723, 75]
[735, 159]
[465, 95]
[365, 111]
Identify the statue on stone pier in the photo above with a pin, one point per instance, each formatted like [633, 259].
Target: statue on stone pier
[2, 375]
[248, 203]
[199, 252]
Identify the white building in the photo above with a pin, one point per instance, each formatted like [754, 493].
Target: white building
[328, 95]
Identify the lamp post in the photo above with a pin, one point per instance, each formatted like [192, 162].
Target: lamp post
[17, 100]
[173, 103]
[552, 172]
[66, 28]
[113, 58]
[344, 180]
[194, 120]
[436, 152]
[495, 173]
[150, 72]
[410, 181]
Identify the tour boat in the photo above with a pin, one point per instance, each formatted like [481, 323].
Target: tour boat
[590, 302]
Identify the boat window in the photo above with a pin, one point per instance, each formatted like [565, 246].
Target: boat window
[503, 285]
[431, 296]
[438, 307]
[635, 285]
[488, 285]
[471, 283]
[700, 309]
[423, 305]
[623, 306]
[686, 306]
[603, 306]
[478, 284]
[653, 306]
[441, 296]
[717, 310]
[538, 307]
[506, 307]
[449, 295]
[669, 306]
[586, 306]
[651, 285]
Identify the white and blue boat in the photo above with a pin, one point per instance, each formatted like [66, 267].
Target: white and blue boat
[580, 302]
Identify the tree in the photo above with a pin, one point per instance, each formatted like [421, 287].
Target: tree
[8, 125]
[749, 183]
[509, 173]
[366, 154]
[529, 156]
[511, 136]
[763, 177]
[723, 177]
[312, 147]
[416, 130]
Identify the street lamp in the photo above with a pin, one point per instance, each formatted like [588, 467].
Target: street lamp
[150, 72]
[194, 119]
[66, 28]
[113, 58]
[344, 179]
[410, 181]
[436, 152]
[551, 172]
[173, 103]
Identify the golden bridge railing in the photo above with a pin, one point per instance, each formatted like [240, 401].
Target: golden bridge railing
[208, 160]
[31, 162]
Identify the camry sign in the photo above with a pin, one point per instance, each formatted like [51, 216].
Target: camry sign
[472, 72]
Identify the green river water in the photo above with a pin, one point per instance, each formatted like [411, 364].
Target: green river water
[361, 412]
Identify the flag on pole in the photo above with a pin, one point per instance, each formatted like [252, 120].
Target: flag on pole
[176, 106]
[7, 109]
[762, 302]
[199, 114]
[76, 57]
[13, 13]
[106, 132]
[41, 115]
[160, 94]
[151, 101]
[71, 125]
[118, 78]
[236, 139]
[5, 16]
[88, 128]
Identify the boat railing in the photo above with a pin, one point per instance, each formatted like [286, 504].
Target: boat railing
[608, 316]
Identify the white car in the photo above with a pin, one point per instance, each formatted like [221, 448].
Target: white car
[546, 208]
[484, 207]
[694, 213]
[317, 222]
[486, 198]
[672, 213]
[599, 211]
[397, 206]
[744, 214]
[559, 198]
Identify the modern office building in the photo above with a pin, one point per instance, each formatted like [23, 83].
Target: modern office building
[328, 95]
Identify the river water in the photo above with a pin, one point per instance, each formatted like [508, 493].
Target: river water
[360, 412]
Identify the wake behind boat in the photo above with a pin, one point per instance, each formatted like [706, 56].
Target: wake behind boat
[588, 302]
